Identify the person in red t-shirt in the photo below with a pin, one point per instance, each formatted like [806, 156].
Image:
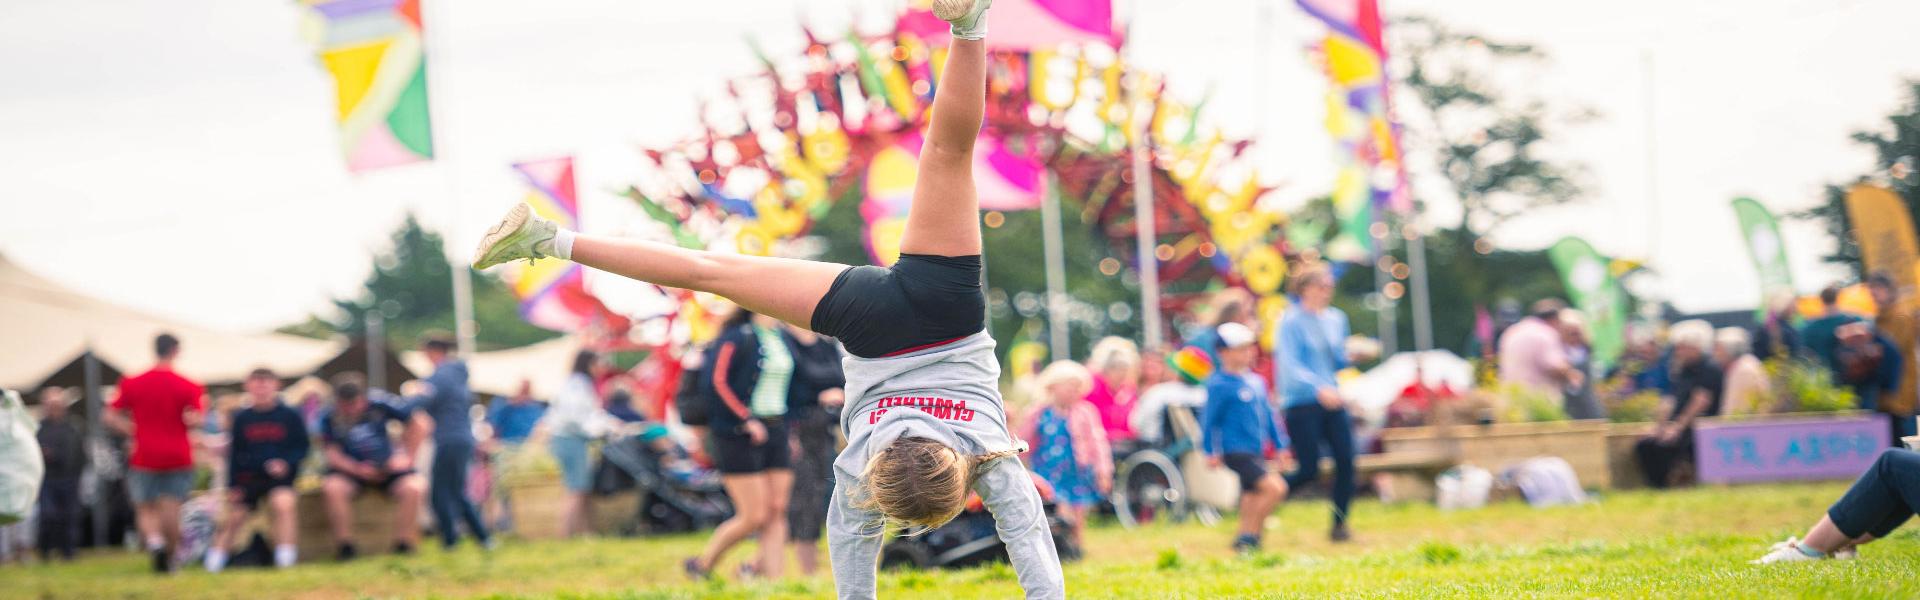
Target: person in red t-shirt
[157, 409]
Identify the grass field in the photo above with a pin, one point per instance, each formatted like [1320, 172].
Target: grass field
[1691, 543]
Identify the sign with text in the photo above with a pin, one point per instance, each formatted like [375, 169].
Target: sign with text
[1796, 450]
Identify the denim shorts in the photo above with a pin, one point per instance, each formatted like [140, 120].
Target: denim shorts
[576, 471]
[145, 486]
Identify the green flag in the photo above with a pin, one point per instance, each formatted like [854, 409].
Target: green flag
[1593, 290]
[1765, 246]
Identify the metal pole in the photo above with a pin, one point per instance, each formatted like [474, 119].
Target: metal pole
[1389, 323]
[1422, 306]
[1056, 266]
[97, 438]
[376, 350]
[438, 57]
[1145, 232]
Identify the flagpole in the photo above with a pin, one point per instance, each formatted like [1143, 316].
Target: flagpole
[437, 58]
[1059, 344]
[1143, 213]
[1417, 262]
[1389, 322]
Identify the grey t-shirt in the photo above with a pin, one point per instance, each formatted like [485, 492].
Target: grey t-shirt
[951, 394]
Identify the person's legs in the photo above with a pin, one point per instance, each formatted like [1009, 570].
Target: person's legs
[444, 491]
[281, 506]
[773, 533]
[741, 278]
[231, 519]
[407, 492]
[1338, 428]
[812, 489]
[945, 216]
[749, 494]
[338, 491]
[1883, 498]
[1655, 461]
[166, 509]
[1304, 425]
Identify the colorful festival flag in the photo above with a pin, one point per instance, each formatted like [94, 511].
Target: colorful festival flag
[1765, 246]
[553, 293]
[375, 51]
[1026, 24]
[1596, 293]
[1005, 179]
[1360, 118]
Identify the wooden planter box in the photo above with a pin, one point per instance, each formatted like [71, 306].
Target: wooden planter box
[1583, 444]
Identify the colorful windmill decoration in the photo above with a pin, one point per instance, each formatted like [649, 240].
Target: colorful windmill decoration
[374, 49]
[842, 121]
[553, 293]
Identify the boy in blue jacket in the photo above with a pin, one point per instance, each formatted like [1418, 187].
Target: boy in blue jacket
[1238, 431]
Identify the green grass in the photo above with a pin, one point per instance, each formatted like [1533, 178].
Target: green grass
[1691, 543]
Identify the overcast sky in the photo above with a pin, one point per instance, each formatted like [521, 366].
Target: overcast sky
[179, 156]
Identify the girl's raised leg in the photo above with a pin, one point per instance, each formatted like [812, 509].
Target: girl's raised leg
[945, 218]
[782, 288]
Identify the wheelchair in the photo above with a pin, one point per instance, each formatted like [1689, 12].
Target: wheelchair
[1150, 484]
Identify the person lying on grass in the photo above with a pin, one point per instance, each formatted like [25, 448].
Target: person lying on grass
[1882, 499]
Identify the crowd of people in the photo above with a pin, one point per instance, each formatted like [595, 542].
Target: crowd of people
[1702, 372]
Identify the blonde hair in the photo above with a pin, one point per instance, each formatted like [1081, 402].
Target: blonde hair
[920, 483]
[1064, 371]
[1114, 353]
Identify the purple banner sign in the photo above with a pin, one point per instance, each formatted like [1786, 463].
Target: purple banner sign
[1797, 450]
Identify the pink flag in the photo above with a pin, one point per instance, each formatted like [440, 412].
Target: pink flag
[1026, 24]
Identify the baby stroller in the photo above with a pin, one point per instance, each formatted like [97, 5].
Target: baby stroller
[971, 539]
[673, 500]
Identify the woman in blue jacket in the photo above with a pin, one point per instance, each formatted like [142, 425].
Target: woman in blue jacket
[1310, 352]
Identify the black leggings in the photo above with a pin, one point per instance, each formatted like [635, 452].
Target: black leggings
[1311, 425]
[919, 302]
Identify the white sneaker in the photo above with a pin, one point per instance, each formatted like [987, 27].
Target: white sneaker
[518, 235]
[1787, 551]
[968, 17]
[215, 561]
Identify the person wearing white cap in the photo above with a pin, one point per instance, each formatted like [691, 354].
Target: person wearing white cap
[1238, 431]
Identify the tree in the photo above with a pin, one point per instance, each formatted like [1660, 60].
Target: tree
[1895, 153]
[411, 286]
[1487, 138]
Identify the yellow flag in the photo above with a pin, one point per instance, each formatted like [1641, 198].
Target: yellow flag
[1885, 233]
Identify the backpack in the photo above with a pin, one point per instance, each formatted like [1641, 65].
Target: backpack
[691, 399]
[1857, 357]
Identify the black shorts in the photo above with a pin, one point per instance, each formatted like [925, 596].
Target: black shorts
[250, 488]
[920, 301]
[735, 454]
[1248, 466]
[383, 484]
